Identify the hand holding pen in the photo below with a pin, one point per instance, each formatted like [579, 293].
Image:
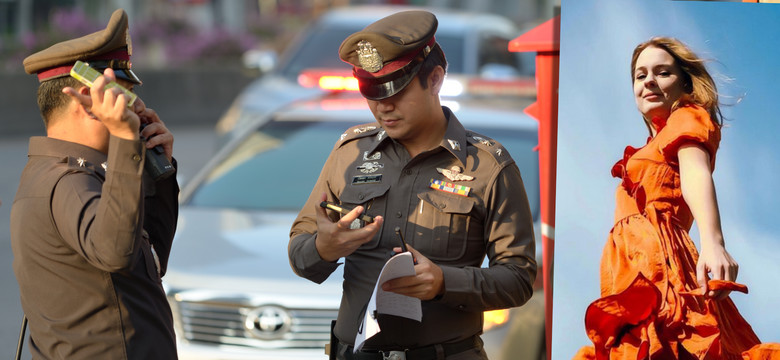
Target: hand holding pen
[428, 281]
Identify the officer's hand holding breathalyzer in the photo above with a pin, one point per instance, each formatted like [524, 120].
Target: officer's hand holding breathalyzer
[339, 239]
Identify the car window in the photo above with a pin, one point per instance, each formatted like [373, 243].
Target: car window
[453, 51]
[272, 169]
[494, 54]
[319, 49]
[275, 168]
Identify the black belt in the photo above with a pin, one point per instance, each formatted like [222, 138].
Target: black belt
[421, 353]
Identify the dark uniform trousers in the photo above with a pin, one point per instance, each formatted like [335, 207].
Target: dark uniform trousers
[469, 349]
[456, 204]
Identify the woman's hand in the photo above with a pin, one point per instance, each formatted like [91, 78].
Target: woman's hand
[715, 260]
[698, 190]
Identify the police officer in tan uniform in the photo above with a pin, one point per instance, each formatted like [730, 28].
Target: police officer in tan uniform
[90, 230]
[455, 195]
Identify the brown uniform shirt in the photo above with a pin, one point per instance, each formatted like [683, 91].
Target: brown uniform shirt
[456, 232]
[82, 239]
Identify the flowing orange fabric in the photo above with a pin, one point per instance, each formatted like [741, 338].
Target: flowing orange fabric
[651, 306]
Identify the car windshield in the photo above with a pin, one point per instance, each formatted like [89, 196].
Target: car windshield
[275, 168]
[318, 51]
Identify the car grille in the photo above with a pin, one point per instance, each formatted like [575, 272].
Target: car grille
[221, 323]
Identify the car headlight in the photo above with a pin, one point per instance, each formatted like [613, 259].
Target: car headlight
[494, 319]
[451, 87]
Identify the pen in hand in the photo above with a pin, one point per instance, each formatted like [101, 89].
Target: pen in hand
[403, 243]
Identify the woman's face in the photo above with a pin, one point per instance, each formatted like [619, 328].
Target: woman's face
[658, 83]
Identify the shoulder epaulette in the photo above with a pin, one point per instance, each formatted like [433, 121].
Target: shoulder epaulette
[357, 132]
[81, 165]
[486, 144]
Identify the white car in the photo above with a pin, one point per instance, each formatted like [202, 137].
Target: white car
[231, 287]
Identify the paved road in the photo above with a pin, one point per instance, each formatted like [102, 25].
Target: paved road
[192, 147]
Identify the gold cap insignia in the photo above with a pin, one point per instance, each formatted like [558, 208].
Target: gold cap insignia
[369, 58]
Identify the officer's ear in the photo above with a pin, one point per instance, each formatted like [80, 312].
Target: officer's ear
[84, 90]
[436, 79]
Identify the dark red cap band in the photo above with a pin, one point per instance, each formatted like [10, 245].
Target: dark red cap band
[120, 54]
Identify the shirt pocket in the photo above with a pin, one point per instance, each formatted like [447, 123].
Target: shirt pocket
[441, 225]
[374, 202]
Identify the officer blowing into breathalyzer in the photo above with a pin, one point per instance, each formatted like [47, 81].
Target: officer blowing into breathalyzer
[91, 230]
[454, 195]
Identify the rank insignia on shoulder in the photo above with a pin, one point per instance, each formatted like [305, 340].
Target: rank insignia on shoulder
[454, 174]
[380, 135]
[454, 145]
[450, 187]
[482, 140]
[499, 152]
[364, 129]
[344, 135]
[82, 162]
[366, 179]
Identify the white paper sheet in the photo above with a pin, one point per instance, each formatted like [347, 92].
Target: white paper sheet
[384, 302]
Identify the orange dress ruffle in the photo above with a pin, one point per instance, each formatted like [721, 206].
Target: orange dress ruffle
[650, 306]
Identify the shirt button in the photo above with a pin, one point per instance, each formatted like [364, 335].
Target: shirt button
[461, 307]
[398, 214]
[361, 196]
[408, 172]
[137, 157]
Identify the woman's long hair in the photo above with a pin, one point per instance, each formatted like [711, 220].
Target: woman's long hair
[699, 87]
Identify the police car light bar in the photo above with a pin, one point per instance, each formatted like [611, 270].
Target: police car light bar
[328, 79]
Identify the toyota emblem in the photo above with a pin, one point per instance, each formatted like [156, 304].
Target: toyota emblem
[268, 322]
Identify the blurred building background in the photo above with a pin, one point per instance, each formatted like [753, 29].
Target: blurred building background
[179, 33]
[194, 42]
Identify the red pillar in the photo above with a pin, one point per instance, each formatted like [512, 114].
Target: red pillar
[544, 40]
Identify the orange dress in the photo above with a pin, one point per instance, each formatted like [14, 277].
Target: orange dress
[650, 305]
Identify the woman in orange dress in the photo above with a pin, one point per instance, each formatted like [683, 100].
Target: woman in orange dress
[661, 298]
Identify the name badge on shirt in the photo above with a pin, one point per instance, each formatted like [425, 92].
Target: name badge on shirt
[366, 179]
